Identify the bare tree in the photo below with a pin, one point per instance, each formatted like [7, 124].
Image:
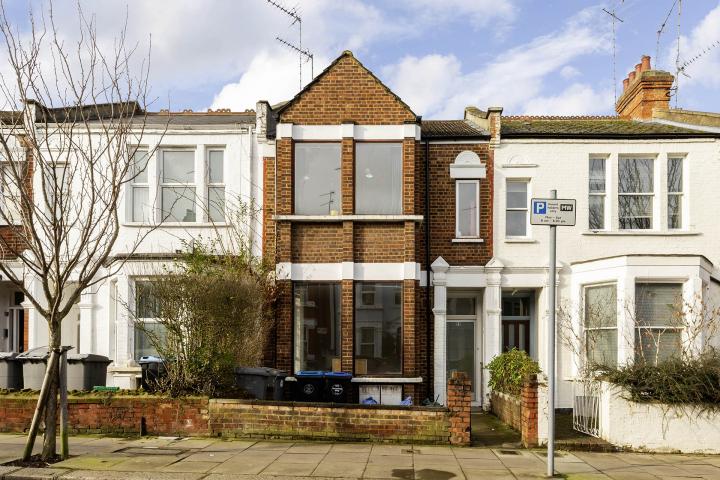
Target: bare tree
[76, 117]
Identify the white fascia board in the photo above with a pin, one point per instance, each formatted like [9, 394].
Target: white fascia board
[348, 271]
[338, 132]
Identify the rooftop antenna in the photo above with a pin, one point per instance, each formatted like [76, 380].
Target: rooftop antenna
[614, 19]
[304, 55]
[677, 56]
[660, 32]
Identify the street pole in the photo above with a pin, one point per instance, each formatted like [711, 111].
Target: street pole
[551, 351]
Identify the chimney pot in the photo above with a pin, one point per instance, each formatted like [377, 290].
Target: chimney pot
[626, 82]
[638, 68]
[631, 76]
[645, 63]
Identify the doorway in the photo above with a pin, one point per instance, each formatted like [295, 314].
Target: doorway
[517, 312]
[463, 339]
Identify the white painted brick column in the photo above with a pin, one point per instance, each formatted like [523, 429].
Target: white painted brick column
[439, 282]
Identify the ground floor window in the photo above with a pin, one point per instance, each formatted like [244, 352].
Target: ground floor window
[317, 326]
[516, 322]
[147, 328]
[658, 321]
[600, 322]
[378, 328]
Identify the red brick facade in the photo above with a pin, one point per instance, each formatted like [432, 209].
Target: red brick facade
[347, 93]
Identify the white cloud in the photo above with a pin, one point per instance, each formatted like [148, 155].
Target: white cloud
[577, 99]
[523, 67]
[704, 70]
[568, 71]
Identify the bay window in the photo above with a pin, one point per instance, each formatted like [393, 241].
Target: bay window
[635, 193]
[147, 311]
[317, 178]
[658, 322]
[467, 210]
[601, 325]
[378, 328]
[216, 185]
[378, 178]
[178, 185]
[317, 308]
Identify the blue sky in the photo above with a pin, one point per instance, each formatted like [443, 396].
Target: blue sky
[529, 56]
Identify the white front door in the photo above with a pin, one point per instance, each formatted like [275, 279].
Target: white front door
[463, 339]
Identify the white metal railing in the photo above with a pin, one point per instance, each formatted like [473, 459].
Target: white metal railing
[586, 406]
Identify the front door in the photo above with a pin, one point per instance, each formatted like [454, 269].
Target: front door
[462, 337]
[516, 316]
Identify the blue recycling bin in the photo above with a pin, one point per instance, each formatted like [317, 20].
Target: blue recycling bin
[309, 386]
[337, 387]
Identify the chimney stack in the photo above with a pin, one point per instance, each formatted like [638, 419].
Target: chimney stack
[644, 90]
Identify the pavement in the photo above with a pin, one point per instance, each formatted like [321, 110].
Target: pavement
[97, 457]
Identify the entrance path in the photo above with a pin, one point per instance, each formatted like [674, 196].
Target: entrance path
[212, 459]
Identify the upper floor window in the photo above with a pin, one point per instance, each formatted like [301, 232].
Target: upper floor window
[675, 192]
[10, 197]
[467, 208]
[635, 193]
[658, 322]
[516, 208]
[216, 185]
[378, 178]
[140, 187]
[601, 325]
[317, 179]
[596, 189]
[178, 185]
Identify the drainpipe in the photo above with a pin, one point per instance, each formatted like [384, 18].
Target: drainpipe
[428, 315]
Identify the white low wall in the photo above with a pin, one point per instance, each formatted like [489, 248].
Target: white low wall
[656, 427]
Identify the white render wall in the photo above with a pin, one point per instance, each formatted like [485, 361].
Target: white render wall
[564, 165]
[656, 427]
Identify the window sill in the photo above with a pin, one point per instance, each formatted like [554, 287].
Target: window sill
[388, 380]
[174, 225]
[467, 240]
[520, 240]
[342, 218]
[641, 233]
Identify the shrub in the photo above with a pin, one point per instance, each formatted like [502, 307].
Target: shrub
[694, 381]
[508, 371]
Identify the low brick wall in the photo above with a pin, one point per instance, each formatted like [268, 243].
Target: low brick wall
[520, 412]
[115, 415]
[289, 420]
[198, 416]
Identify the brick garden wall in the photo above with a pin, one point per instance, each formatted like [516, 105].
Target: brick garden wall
[506, 408]
[199, 416]
[520, 412]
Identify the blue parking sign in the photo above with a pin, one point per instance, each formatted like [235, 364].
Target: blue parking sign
[539, 207]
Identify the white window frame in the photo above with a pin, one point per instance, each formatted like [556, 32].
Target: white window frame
[215, 185]
[603, 194]
[13, 211]
[457, 208]
[138, 318]
[526, 209]
[651, 194]
[680, 195]
[585, 329]
[139, 185]
[162, 184]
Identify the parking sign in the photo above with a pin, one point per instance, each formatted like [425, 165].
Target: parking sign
[552, 211]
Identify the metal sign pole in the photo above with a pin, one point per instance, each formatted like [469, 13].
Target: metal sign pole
[551, 351]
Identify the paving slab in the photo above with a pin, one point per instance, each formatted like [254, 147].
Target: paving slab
[351, 447]
[190, 442]
[142, 463]
[332, 468]
[350, 457]
[283, 446]
[391, 450]
[95, 475]
[394, 460]
[310, 448]
[481, 463]
[304, 469]
[189, 467]
[438, 473]
[388, 471]
[5, 470]
[473, 453]
[35, 474]
[304, 458]
[229, 445]
[91, 462]
[203, 456]
[244, 465]
[482, 474]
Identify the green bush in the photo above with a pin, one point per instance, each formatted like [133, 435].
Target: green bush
[694, 381]
[508, 371]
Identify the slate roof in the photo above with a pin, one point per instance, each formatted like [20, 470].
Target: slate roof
[452, 129]
[200, 118]
[592, 127]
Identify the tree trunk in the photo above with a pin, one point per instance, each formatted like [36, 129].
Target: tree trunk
[49, 440]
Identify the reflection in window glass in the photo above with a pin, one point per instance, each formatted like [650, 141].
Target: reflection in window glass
[675, 192]
[601, 343]
[596, 188]
[147, 310]
[378, 178]
[178, 189]
[317, 326]
[468, 212]
[635, 193]
[378, 328]
[317, 179]
[659, 323]
[516, 208]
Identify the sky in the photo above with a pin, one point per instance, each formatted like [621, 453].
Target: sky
[551, 57]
